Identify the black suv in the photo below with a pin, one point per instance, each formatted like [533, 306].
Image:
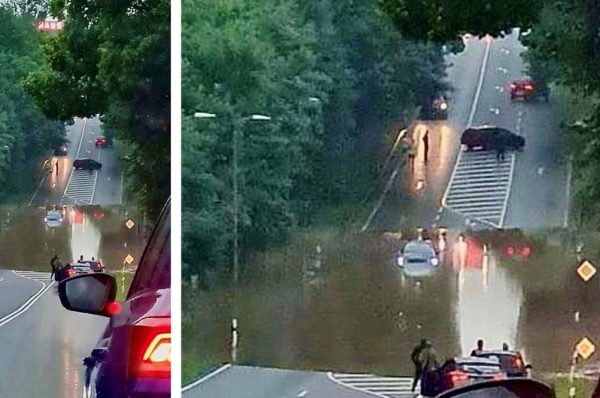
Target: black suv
[86, 164]
[490, 138]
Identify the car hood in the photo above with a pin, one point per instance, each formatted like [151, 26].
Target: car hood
[421, 268]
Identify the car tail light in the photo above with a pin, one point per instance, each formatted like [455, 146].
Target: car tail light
[517, 363]
[71, 272]
[525, 251]
[457, 377]
[528, 87]
[150, 354]
[513, 86]
[510, 251]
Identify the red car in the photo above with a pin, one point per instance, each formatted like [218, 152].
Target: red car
[522, 89]
[103, 142]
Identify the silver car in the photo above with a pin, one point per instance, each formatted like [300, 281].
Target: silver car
[53, 218]
[418, 258]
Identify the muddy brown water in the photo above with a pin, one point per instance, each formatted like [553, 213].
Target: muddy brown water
[351, 308]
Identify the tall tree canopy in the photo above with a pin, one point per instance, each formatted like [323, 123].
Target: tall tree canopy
[113, 59]
[331, 74]
[25, 133]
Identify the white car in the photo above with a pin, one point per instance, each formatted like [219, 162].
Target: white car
[53, 218]
[418, 258]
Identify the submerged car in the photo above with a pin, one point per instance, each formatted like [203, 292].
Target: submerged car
[418, 258]
[53, 218]
[133, 356]
[491, 138]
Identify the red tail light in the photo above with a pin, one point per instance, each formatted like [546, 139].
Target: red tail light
[457, 377]
[71, 272]
[510, 251]
[513, 86]
[150, 354]
[528, 87]
[517, 363]
[525, 251]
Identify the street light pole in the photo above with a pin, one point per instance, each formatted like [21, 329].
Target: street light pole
[237, 130]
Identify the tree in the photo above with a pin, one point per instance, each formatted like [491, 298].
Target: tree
[443, 21]
[113, 59]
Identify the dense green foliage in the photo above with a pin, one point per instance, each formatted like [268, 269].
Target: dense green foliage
[444, 20]
[564, 49]
[25, 133]
[331, 74]
[113, 59]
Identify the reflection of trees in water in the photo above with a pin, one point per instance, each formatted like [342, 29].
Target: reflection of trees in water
[351, 319]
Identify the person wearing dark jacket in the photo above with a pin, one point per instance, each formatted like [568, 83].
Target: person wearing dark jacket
[416, 360]
[53, 265]
[479, 348]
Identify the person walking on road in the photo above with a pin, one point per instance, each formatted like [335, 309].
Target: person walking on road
[426, 146]
[410, 148]
[500, 148]
[416, 360]
[56, 265]
[428, 359]
[477, 351]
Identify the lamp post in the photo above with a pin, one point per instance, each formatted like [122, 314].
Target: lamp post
[237, 129]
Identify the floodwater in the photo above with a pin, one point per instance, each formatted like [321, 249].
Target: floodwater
[28, 243]
[350, 308]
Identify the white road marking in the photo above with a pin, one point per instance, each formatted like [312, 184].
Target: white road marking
[382, 387]
[82, 135]
[81, 186]
[27, 305]
[480, 186]
[302, 394]
[486, 56]
[208, 376]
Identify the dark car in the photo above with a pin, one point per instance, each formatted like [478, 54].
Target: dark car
[460, 371]
[103, 142]
[524, 89]
[133, 356]
[88, 266]
[435, 108]
[86, 164]
[490, 138]
[511, 362]
[61, 150]
[64, 272]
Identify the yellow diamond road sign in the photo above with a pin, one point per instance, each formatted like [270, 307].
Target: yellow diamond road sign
[129, 259]
[585, 348]
[586, 271]
[129, 224]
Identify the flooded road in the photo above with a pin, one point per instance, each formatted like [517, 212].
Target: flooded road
[28, 243]
[351, 308]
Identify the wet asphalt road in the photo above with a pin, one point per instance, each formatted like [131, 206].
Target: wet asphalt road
[40, 340]
[361, 314]
[108, 186]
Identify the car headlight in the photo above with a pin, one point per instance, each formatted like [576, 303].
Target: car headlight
[434, 261]
[400, 261]
[444, 106]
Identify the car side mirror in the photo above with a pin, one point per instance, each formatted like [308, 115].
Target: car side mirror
[528, 367]
[89, 293]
